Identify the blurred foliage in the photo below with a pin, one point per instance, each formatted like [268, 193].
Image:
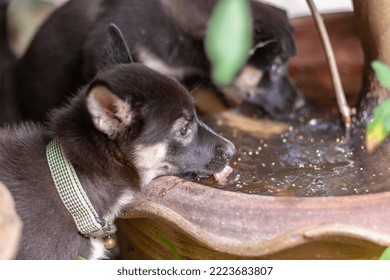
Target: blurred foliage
[382, 72]
[386, 254]
[228, 39]
[379, 128]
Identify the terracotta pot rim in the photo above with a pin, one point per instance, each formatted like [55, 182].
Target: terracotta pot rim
[255, 225]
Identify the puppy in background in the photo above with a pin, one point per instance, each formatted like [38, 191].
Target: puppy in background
[127, 126]
[165, 35]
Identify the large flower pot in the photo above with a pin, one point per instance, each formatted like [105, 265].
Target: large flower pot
[172, 217]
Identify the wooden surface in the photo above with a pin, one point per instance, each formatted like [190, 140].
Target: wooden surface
[309, 67]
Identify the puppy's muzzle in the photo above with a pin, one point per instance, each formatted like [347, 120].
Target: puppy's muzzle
[229, 151]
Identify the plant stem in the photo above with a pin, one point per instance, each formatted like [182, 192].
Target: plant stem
[344, 109]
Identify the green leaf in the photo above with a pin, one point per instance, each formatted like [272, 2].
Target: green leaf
[382, 72]
[228, 39]
[386, 254]
[379, 127]
[80, 258]
[172, 247]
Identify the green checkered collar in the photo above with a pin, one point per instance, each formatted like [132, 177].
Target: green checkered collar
[72, 194]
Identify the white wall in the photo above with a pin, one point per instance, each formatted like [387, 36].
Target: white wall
[298, 8]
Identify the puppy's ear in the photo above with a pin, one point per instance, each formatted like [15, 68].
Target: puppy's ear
[110, 114]
[271, 24]
[266, 34]
[115, 49]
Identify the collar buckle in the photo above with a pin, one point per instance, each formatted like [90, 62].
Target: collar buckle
[106, 230]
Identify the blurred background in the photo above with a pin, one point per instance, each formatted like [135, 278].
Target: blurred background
[27, 15]
[298, 8]
[309, 65]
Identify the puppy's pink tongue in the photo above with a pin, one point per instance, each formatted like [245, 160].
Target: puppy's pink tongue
[221, 177]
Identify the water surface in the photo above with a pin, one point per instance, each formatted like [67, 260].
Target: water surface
[313, 157]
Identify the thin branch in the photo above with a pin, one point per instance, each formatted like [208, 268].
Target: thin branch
[344, 109]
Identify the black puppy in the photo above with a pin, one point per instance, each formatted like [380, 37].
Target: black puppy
[128, 126]
[167, 36]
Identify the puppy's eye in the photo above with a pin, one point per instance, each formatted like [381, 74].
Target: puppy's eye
[184, 130]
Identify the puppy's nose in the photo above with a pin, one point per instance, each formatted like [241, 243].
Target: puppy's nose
[230, 151]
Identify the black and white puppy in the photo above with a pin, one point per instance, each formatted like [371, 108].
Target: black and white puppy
[167, 36]
[128, 126]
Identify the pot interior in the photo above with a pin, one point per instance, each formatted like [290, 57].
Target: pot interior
[311, 155]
